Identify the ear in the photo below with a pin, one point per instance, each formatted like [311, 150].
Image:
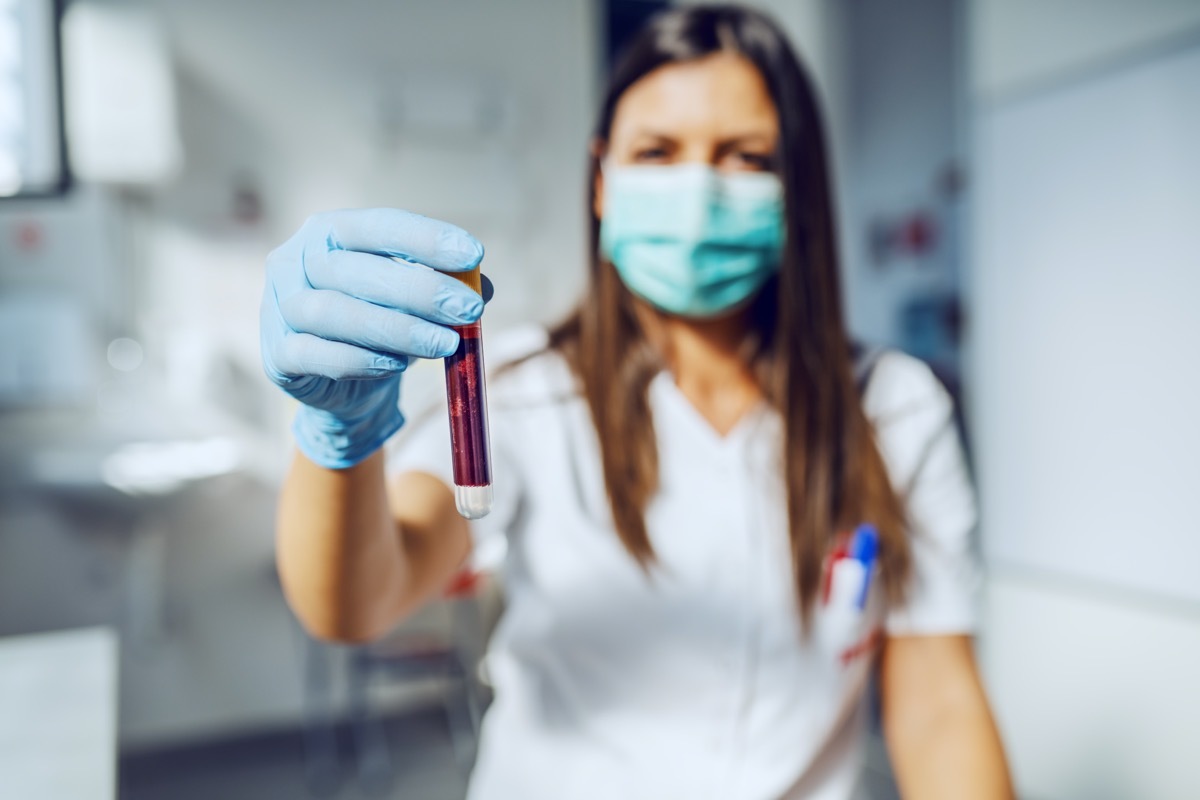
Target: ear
[598, 148]
[598, 195]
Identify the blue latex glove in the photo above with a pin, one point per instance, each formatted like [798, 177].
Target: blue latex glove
[340, 319]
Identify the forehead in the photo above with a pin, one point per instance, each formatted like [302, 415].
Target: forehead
[717, 94]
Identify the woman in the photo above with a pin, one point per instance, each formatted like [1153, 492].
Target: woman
[678, 465]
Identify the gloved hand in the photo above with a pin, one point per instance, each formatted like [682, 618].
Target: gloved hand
[341, 317]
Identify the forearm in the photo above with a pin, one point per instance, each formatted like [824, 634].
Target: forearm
[940, 733]
[340, 556]
[953, 753]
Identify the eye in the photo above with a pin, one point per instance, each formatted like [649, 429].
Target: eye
[757, 162]
[650, 155]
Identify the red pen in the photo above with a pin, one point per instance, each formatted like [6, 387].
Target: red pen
[840, 550]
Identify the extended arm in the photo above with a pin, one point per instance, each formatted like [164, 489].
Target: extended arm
[349, 301]
[940, 733]
[352, 563]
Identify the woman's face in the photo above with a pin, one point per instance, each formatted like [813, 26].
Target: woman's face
[714, 110]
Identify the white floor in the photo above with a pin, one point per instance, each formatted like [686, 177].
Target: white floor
[423, 767]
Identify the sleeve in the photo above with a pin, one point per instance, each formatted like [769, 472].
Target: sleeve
[919, 441]
[423, 445]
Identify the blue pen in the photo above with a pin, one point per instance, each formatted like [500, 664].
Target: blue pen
[864, 548]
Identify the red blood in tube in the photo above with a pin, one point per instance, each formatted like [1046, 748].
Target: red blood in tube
[468, 410]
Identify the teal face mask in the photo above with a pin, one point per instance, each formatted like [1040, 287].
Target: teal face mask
[690, 240]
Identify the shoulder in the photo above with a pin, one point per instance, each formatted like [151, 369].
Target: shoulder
[910, 410]
[902, 389]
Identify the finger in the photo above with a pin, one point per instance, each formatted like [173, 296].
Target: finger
[391, 232]
[303, 354]
[341, 318]
[272, 328]
[284, 272]
[406, 287]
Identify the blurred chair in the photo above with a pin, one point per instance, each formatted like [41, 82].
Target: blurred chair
[451, 652]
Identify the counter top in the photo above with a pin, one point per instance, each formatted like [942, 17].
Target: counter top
[58, 715]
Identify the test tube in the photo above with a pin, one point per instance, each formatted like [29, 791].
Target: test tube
[466, 396]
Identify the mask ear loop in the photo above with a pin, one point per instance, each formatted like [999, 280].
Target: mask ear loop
[603, 167]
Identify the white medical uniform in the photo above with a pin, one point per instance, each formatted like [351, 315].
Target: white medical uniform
[695, 681]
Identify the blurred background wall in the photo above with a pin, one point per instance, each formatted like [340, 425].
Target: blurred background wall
[1017, 182]
[1084, 270]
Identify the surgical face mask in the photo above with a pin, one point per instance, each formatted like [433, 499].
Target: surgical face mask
[690, 240]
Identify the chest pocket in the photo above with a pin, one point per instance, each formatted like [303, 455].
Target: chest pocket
[848, 631]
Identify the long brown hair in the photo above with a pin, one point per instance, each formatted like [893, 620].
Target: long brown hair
[798, 348]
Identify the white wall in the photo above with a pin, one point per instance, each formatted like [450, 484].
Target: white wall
[1093, 689]
[1081, 390]
[1019, 45]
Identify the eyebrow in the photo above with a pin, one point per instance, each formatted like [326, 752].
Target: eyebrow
[725, 142]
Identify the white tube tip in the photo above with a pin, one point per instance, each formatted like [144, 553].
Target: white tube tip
[473, 501]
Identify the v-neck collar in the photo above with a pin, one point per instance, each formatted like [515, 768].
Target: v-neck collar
[663, 385]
